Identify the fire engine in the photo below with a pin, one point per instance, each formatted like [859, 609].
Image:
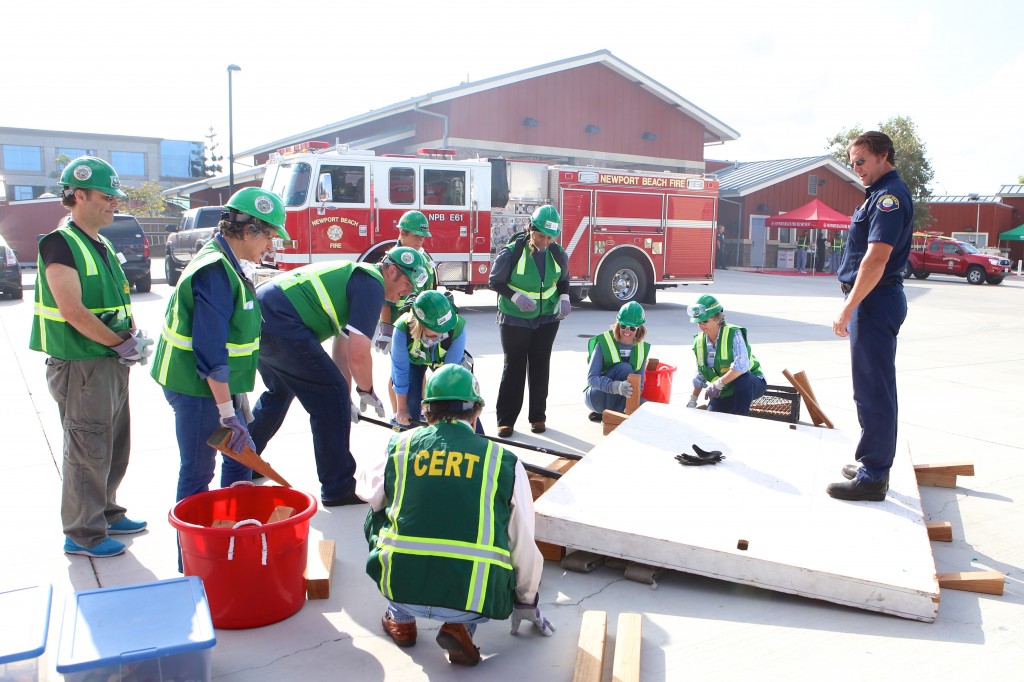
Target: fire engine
[626, 233]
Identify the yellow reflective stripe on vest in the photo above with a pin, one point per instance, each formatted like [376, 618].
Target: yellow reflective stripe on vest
[725, 345]
[641, 364]
[86, 252]
[613, 349]
[321, 293]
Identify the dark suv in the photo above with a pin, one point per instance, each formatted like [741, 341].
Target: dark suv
[10, 271]
[126, 234]
[187, 237]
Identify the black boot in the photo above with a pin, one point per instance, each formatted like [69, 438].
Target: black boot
[859, 490]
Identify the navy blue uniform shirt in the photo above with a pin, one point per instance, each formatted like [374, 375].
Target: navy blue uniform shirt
[887, 216]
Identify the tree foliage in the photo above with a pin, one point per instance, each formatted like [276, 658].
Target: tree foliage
[60, 162]
[205, 161]
[144, 200]
[911, 160]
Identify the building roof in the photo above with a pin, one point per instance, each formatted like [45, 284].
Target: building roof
[247, 175]
[964, 199]
[1011, 191]
[746, 177]
[714, 130]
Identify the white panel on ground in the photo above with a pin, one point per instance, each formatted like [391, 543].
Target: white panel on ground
[629, 498]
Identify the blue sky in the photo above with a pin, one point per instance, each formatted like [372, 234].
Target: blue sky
[785, 74]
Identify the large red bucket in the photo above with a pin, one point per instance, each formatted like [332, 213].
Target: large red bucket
[253, 574]
[658, 383]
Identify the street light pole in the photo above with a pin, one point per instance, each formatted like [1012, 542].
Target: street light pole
[231, 135]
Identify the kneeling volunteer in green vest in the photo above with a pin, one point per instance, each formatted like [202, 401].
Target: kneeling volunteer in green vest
[725, 363]
[464, 552]
[614, 355]
[303, 308]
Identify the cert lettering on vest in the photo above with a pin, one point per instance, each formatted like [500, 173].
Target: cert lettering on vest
[444, 463]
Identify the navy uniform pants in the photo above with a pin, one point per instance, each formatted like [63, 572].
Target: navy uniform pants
[873, 330]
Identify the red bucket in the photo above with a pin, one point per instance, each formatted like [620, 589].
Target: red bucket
[253, 574]
[658, 383]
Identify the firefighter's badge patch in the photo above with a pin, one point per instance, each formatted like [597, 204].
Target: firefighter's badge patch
[334, 233]
[888, 203]
[83, 173]
[263, 205]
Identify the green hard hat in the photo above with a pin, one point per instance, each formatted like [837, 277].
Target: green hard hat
[88, 172]
[547, 221]
[704, 309]
[411, 262]
[432, 309]
[631, 315]
[453, 382]
[259, 203]
[415, 223]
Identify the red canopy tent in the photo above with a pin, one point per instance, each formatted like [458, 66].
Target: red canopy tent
[817, 215]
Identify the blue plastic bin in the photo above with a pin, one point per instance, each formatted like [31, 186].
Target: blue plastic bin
[24, 620]
[153, 631]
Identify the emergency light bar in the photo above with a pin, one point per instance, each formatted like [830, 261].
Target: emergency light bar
[312, 145]
[435, 151]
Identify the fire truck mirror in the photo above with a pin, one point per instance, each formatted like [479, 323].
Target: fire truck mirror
[325, 188]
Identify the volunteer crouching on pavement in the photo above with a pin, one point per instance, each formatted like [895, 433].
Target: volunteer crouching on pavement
[725, 363]
[623, 351]
[83, 322]
[429, 336]
[207, 354]
[451, 525]
[302, 309]
[531, 277]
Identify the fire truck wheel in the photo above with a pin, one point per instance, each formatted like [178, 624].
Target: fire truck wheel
[620, 281]
[922, 274]
[975, 275]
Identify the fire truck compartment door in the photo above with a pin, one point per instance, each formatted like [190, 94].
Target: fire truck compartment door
[577, 230]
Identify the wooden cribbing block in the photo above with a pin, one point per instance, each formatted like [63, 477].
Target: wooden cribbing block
[280, 513]
[551, 552]
[626, 663]
[940, 531]
[942, 475]
[985, 582]
[590, 650]
[610, 419]
[803, 387]
[319, 565]
[222, 523]
[633, 401]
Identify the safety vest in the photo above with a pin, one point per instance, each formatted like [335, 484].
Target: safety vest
[837, 243]
[525, 279]
[396, 307]
[610, 350]
[442, 538]
[104, 290]
[318, 292]
[419, 354]
[723, 356]
[801, 243]
[174, 363]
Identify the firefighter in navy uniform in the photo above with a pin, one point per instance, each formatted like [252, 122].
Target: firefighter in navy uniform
[613, 356]
[725, 363]
[531, 277]
[871, 277]
[450, 526]
[83, 322]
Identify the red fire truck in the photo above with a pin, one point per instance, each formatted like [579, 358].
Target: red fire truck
[627, 233]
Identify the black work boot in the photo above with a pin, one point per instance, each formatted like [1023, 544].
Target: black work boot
[859, 490]
[850, 471]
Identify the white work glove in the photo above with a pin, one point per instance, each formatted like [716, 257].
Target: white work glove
[715, 389]
[564, 306]
[136, 347]
[524, 302]
[370, 399]
[382, 338]
[693, 402]
[531, 613]
[623, 388]
[355, 413]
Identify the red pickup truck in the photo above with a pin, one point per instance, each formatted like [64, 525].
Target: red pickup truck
[934, 253]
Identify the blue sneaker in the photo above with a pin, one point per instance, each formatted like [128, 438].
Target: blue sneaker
[106, 548]
[126, 527]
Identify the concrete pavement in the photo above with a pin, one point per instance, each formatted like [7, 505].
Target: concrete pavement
[960, 371]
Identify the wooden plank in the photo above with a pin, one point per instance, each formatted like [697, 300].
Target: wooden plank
[940, 531]
[590, 650]
[955, 468]
[936, 480]
[985, 582]
[319, 566]
[628, 634]
[280, 513]
[610, 419]
[222, 523]
[769, 491]
[633, 401]
[551, 552]
[219, 440]
[817, 416]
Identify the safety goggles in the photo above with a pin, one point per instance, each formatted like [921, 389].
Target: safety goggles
[111, 199]
[858, 163]
[626, 327]
[697, 310]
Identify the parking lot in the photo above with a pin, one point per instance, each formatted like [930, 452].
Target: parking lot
[960, 369]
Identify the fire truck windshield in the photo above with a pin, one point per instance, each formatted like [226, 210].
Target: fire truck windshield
[290, 181]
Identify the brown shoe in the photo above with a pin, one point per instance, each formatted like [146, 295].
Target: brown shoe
[456, 640]
[504, 432]
[538, 427]
[403, 634]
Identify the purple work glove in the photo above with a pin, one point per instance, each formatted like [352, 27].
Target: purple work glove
[239, 433]
[531, 613]
[524, 302]
[715, 389]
